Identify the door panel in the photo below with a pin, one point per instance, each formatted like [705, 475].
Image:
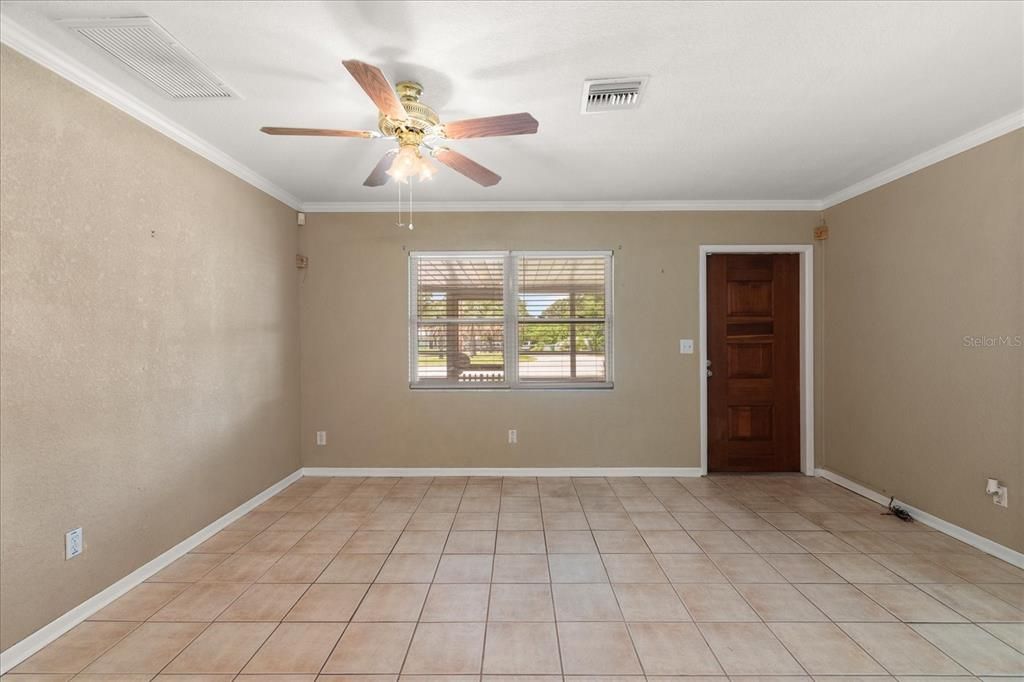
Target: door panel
[750, 422]
[754, 353]
[749, 299]
[749, 360]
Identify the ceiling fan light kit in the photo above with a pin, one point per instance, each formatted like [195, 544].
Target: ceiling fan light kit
[414, 125]
[409, 162]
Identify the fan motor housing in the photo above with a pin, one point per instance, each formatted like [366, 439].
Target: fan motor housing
[421, 118]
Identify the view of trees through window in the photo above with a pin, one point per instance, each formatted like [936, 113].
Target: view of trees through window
[558, 336]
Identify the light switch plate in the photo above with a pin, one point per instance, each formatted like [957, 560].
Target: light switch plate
[686, 346]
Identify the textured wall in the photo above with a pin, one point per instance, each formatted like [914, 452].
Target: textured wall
[355, 343]
[912, 268]
[149, 343]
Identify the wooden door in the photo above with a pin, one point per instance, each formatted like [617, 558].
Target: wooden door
[753, 336]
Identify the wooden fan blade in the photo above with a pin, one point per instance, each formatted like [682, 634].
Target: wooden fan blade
[492, 126]
[372, 81]
[379, 176]
[468, 167]
[318, 132]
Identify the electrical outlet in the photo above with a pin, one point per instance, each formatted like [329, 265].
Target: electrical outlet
[686, 346]
[321, 438]
[513, 437]
[997, 491]
[72, 543]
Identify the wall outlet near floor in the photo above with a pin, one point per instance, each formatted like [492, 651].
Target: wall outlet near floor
[72, 543]
[321, 438]
[686, 346]
[998, 492]
[513, 437]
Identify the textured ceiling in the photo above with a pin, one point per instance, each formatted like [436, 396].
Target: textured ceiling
[746, 101]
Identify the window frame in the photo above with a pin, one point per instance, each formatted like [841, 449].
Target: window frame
[510, 299]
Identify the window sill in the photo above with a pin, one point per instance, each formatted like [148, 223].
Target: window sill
[520, 387]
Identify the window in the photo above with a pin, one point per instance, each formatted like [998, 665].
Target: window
[459, 320]
[510, 320]
[561, 318]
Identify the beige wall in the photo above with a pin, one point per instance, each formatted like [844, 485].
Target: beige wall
[910, 269]
[149, 344]
[355, 343]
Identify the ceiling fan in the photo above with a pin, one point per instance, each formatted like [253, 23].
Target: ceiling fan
[405, 118]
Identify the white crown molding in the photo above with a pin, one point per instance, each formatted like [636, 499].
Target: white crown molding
[18, 652]
[18, 38]
[557, 206]
[974, 138]
[992, 547]
[579, 472]
[978, 136]
[25, 42]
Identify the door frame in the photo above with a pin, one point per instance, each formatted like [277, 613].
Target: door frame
[806, 252]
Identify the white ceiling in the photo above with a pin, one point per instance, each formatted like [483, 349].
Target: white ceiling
[746, 101]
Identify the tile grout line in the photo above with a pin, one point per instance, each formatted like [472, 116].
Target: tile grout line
[696, 626]
[490, 585]
[416, 626]
[615, 595]
[308, 588]
[611, 585]
[922, 555]
[551, 583]
[208, 625]
[768, 624]
[327, 658]
[756, 613]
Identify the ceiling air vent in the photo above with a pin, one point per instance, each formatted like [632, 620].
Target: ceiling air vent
[612, 94]
[152, 54]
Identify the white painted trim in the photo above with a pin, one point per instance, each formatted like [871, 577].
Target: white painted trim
[578, 472]
[997, 550]
[806, 252]
[25, 42]
[969, 140]
[41, 51]
[46, 634]
[985, 133]
[566, 206]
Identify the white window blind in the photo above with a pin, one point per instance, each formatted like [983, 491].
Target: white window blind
[561, 318]
[460, 320]
[510, 320]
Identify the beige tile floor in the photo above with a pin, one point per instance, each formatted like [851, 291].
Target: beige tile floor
[372, 580]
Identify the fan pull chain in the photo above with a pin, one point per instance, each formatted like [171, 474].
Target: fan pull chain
[399, 219]
[410, 226]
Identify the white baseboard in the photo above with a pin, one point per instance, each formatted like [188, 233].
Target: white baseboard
[683, 472]
[46, 634]
[1007, 554]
